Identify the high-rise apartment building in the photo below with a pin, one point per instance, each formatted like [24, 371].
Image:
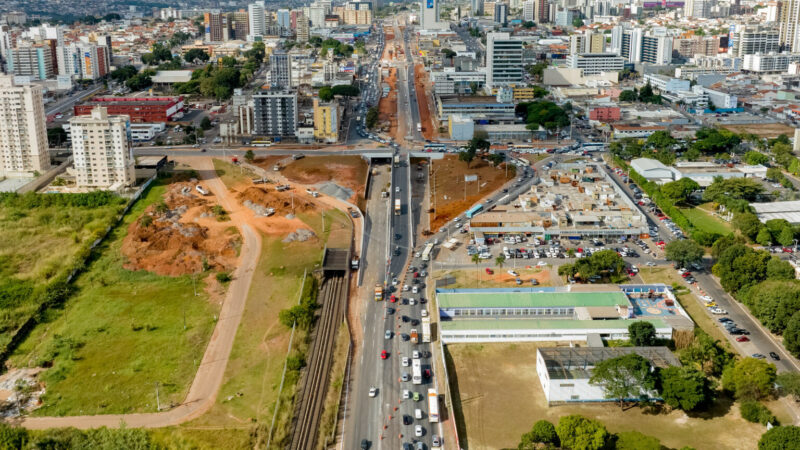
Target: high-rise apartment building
[23, 134]
[275, 113]
[214, 23]
[302, 28]
[749, 41]
[699, 9]
[35, 62]
[656, 49]
[326, 121]
[102, 154]
[503, 60]
[476, 7]
[542, 11]
[501, 13]
[528, 10]
[85, 61]
[240, 24]
[257, 21]
[279, 69]
[284, 19]
[429, 16]
[595, 63]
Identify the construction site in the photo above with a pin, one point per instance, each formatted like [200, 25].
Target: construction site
[424, 101]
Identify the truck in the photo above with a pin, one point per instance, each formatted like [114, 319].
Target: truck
[474, 210]
[433, 406]
[414, 336]
[378, 292]
[397, 160]
[419, 127]
[397, 207]
[426, 329]
[426, 254]
[354, 263]
[200, 189]
[416, 371]
[450, 244]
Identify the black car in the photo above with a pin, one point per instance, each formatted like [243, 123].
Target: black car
[364, 444]
[774, 356]
[406, 419]
[414, 322]
[397, 237]
[390, 311]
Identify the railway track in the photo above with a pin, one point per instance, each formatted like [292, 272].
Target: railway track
[315, 381]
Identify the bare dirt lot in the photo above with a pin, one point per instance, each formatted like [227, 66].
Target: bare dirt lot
[387, 106]
[429, 130]
[346, 171]
[185, 233]
[764, 130]
[448, 174]
[487, 378]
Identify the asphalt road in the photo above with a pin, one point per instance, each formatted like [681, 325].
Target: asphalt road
[70, 101]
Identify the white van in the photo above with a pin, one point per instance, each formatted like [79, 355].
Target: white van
[418, 414]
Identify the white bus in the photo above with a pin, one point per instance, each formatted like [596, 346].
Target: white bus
[426, 254]
[416, 371]
[433, 406]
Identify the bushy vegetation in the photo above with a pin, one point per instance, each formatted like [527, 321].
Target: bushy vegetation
[303, 313]
[543, 113]
[603, 264]
[218, 80]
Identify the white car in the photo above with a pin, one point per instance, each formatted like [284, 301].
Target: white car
[651, 263]
[415, 354]
[541, 264]
[373, 392]
[397, 189]
[405, 361]
[418, 431]
[418, 414]
[394, 281]
[406, 288]
[718, 311]
[513, 273]
[414, 290]
[406, 394]
[424, 313]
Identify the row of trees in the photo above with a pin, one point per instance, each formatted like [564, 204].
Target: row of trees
[578, 432]
[606, 264]
[326, 93]
[644, 95]
[543, 113]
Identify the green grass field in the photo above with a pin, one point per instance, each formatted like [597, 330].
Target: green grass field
[120, 334]
[702, 219]
[39, 246]
[231, 174]
[252, 378]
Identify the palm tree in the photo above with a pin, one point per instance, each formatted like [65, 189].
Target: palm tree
[477, 260]
[500, 260]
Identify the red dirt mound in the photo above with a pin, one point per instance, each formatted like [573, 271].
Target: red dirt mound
[280, 201]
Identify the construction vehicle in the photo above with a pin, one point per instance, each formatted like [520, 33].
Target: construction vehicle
[378, 292]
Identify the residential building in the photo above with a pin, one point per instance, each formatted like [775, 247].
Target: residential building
[656, 50]
[326, 121]
[240, 24]
[275, 113]
[594, 63]
[429, 15]
[503, 60]
[605, 114]
[214, 23]
[529, 10]
[138, 109]
[85, 61]
[773, 62]
[102, 154]
[284, 19]
[667, 84]
[302, 28]
[698, 9]
[257, 18]
[501, 13]
[790, 25]
[476, 6]
[35, 62]
[542, 11]
[316, 14]
[23, 134]
[749, 41]
[279, 69]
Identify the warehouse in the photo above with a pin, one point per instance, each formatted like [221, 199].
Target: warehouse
[569, 313]
[565, 371]
[139, 109]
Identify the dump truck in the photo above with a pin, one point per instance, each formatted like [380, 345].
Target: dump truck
[397, 207]
[414, 336]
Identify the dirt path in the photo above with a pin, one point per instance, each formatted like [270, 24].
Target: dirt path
[208, 379]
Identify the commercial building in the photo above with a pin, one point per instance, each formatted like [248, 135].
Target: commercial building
[573, 313]
[656, 49]
[698, 9]
[35, 62]
[474, 107]
[216, 24]
[326, 121]
[594, 63]
[138, 109]
[667, 84]
[622, 131]
[102, 154]
[565, 371]
[460, 128]
[275, 113]
[654, 170]
[501, 13]
[605, 114]
[257, 21]
[503, 60]
[789, 211]
[239, 24]
[279, 69]
[429, 15]
[23, 135]
[476, 6]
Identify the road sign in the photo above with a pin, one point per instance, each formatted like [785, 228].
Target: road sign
[468, 178]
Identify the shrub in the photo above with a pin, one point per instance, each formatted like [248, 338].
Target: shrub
[755, 412]
[223, 277]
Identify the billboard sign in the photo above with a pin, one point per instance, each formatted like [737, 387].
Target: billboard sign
[429, 4]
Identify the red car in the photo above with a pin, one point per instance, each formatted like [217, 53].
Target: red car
[416, 274]
[489, 271]
[686, 274]
[742, 339]
[787, 250]
[393, 299]
[384, 355]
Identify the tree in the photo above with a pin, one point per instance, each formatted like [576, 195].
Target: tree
[786, 237]
[791, 335]
[748, 224]
[500, 260]
[578, 432]
[749, 379]
[628, 96]
[780, 438]
[249, 156]
[734, 188]
[789, 384]
[372, 117]
[56, 136]
[753, 411]
[634, 440]
[685, 388]
[753, 158]
[325, 93]
[706, 354]
[679, 191]
[684, 252]
[467, 155]
[206, 123]
[123, 73]
[543, 432]
[139, 82]
[496, 158]
[642, 334]
[764, 237]
[577, 22]
[777, 269]
[12, 437]
[661, 139]
[624, 378]
[194, 55]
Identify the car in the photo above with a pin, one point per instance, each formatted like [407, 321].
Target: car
[387, 334]
[395, 281]
[758, 356]
[364, 444]
[406, 394]
[406, 362]
[774, 356]
[437, 442]
[392, 299]
[390, 311]
[418, 431]
[489, 271]
[418, 414]
[724, 319]
[406, 420]
[384, 355]
[513, 273]
[541, 264]
[742, 339]
[373, 391]
[404, 376]
[397, 189]
[415, 396]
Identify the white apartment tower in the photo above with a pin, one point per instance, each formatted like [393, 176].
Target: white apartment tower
[790, 25]
[258, 21]
[528, 10]
[503, 60]
[23, 136]
[103, 156]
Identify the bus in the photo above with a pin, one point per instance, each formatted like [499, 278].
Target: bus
[261, 143]
[474, 210]
[397, 207]
[426, 254]
[433, 406]
[593, 146]
[416, 371]
[435, 146]
[426, 329]
[397, 160]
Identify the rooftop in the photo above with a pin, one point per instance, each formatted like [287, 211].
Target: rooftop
[565, 363]
[529, 298]
[544, 324]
